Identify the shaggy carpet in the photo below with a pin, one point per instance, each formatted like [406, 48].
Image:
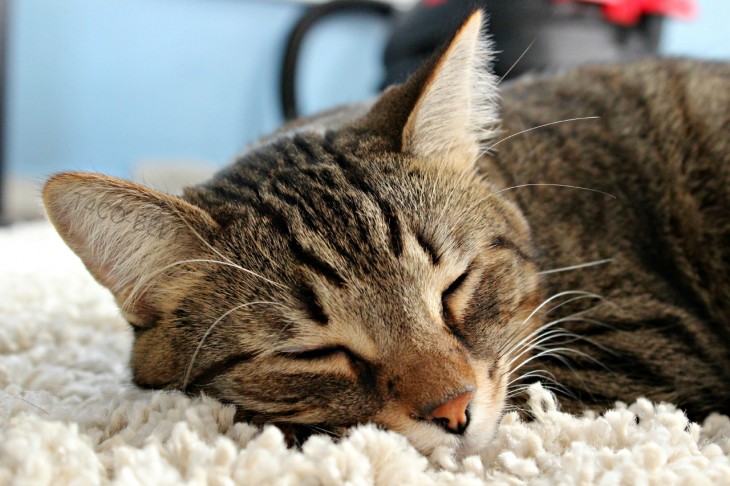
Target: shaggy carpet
[69, 414]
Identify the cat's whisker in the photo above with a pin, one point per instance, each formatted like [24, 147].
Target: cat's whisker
[478, 202]
[576, 267]
[538, 336]
[324, 431]
[559, 353]
[578, 337]
[514, 64]
[198, 235]
[518, 60]
[534, 344]
[546, 184]
[555, 353]
[538, 345]
[555, 389]
[521, 411]
[547, 380]
[512, 408]
[536, 339]
[210, 329]
[279, 336]
[515, 334]
[519, 389]
[27, 402]
[538, 127]
[543, 374]
[150, 276]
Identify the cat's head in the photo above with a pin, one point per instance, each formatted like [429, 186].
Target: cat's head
[363, 274]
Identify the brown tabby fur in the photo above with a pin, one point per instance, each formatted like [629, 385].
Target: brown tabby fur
[363, 272]
[662, 148]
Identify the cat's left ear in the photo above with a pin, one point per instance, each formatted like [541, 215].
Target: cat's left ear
[131, 238]
[448, 109]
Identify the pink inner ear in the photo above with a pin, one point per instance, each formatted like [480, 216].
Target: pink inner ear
[129, 254]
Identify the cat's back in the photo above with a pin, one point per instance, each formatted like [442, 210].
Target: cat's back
[658, 145]
[650, 114]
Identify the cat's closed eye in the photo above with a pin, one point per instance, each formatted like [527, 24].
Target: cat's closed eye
[357, 367]
[446, 309]
[311, 354]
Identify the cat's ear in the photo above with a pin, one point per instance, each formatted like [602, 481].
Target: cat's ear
[127, 235]
[448, 109]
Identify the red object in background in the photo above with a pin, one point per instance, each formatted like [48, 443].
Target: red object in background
[434, 3]
[629, 12]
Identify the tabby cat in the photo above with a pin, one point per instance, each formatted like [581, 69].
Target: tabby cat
[415, 261]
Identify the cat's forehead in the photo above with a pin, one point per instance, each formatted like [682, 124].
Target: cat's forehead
[335, 169]
[339, 204]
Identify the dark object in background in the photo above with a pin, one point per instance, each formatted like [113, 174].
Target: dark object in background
[558, 35]
[529, 35]
[288, 79]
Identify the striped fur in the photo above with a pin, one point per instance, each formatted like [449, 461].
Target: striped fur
[662, 148]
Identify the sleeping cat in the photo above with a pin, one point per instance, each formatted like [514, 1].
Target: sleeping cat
[415, 261]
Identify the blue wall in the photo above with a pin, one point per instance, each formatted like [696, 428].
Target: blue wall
[103, 84]
[708, 36]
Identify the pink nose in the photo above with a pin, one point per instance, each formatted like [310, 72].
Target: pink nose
[453, 414]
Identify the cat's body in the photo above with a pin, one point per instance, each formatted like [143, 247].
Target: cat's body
[376, 266]
[661, 147]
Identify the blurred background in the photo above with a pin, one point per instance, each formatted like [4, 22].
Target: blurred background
[167, 91]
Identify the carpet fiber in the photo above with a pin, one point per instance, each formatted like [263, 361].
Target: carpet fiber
[69, 413]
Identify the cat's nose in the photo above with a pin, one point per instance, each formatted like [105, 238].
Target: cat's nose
[453, 414]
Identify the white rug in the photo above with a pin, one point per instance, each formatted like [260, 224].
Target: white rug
[69, 414]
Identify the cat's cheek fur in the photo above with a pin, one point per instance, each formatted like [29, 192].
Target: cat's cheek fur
[486, 409]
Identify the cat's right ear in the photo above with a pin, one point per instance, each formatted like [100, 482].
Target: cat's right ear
[127, 235]
[446, 111]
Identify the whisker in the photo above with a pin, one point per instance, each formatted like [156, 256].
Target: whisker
[557, 390]
[479, 201]
[537, 337]
[544, 374]
[576, 267]
[521, 388]
[147, 278]
[11, 397]
[552, 15]
[517, 61]
[515, 408]
[555, 353]
[198, 235]
[536, 342]
[322, 430]
[551, 385]
[568, 186]
[535, 345]
[515, 334]
[539, 126]
[210, 329]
